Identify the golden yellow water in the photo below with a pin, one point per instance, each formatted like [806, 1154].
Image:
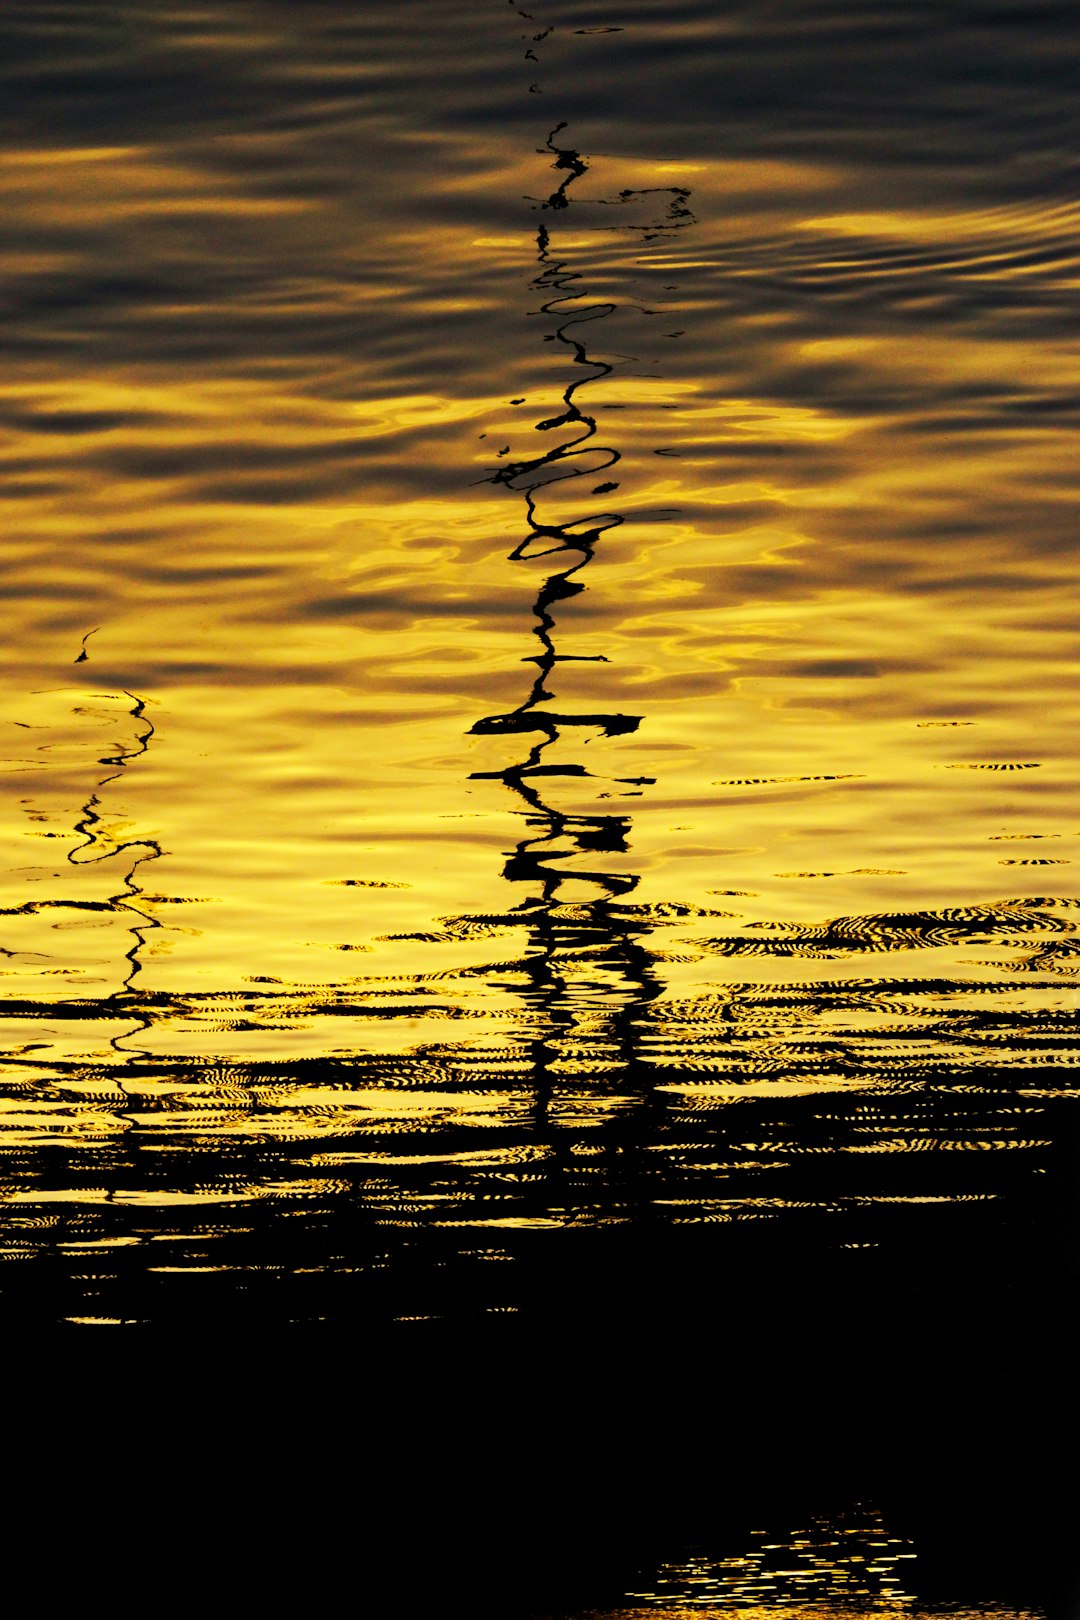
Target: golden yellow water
[259, 592]
[538, 665]
[840, 596]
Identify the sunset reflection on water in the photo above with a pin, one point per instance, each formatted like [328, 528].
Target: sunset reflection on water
[539, 631]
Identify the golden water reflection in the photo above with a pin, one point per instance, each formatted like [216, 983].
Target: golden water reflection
[813, 1611]
[835, 1567]
[538, 674]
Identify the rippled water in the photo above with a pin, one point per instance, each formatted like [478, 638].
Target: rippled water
[540, 633]
[831, 1568]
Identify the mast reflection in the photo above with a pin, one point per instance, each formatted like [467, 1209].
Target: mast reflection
[99, 845]
[589, 971]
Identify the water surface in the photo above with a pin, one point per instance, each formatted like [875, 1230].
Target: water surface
[540, 633]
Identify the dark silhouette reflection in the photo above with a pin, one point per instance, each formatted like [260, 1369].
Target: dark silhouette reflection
[97, 846]
[580, 913]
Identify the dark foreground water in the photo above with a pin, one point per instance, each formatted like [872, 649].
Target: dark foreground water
[540, 630]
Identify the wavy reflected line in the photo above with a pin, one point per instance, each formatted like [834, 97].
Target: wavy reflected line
[589, 972]
[144, 850]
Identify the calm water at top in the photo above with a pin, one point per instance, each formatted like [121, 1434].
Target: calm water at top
[539, 684]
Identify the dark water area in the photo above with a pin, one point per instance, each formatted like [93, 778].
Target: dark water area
[442, 442]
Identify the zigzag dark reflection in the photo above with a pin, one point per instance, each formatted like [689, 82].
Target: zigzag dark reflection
[96, 848]
[599, 932]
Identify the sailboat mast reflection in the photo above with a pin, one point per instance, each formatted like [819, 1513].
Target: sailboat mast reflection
[99, 845]
[589, 972]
